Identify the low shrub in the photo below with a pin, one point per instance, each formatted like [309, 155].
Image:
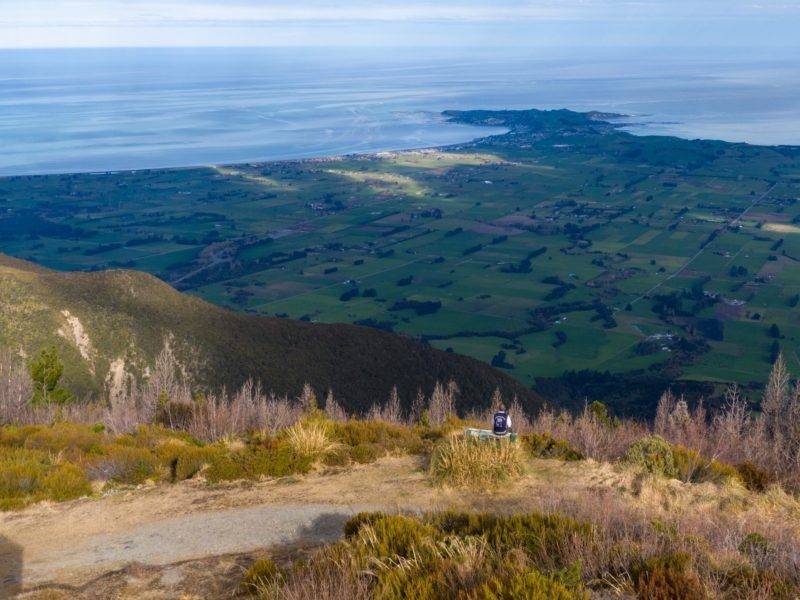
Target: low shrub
[254, 462]
[692, 467]
[530, 584]
[123, 464]
[366, 453]
[393, 536]
[544, 538]
[544, 445]
[652, 454]
[184, 461]
[744, 581]
[755, 546]
[668, 577]
[462, 462]
[388, 436]
[754, 478]
[28, 476]
[69, 438]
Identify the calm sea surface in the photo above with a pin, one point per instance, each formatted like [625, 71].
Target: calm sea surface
[99, 110]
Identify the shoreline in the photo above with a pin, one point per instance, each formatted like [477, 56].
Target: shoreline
[611, 119]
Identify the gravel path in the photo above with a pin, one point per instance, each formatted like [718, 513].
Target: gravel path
[190, 536]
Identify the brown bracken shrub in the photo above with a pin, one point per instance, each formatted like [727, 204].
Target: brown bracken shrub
[754, 478]
[544, 445]
[668, 577]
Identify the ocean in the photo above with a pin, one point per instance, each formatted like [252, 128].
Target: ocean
[102, 110]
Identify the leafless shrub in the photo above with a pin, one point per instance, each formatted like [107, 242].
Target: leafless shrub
[249, 409]
[442, 403]
[390, 412]
[16, 390]
[417, 408]
[333, 409]
[520, 422]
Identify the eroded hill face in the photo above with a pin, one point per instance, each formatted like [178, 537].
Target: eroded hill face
[110, 325]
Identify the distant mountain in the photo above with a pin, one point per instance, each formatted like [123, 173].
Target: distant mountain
[110, 325]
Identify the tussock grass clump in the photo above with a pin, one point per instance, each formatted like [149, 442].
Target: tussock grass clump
[461, 462]
[311, 438]
[544, 445]
[260, 577]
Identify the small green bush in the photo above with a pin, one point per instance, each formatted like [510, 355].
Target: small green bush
[393, 536]
[755, 546]
[390, 437]
[184, 461]
[744, 581]
[544, 445]
[544, 538]
[654, 455]
[359, 520]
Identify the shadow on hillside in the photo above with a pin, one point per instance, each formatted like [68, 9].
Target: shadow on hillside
[10, 568]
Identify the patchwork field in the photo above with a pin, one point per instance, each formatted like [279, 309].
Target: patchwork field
[563, 245]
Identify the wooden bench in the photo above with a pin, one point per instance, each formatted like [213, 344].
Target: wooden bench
[488, 434]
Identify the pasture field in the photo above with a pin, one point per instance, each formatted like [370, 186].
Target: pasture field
[566, 244]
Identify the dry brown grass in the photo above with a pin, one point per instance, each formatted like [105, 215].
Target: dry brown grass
[461, 462]
[311, 438]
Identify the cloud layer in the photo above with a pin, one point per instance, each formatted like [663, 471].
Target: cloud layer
[30, 23]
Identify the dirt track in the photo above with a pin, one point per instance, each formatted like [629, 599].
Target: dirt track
[72, 543]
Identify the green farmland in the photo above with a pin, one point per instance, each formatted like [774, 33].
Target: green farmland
[563, 245]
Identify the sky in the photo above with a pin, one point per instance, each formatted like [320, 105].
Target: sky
[463, 23]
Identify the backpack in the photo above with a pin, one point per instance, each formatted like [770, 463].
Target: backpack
[500, 423]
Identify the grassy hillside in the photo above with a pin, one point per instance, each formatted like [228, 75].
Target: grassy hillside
[108, 322]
